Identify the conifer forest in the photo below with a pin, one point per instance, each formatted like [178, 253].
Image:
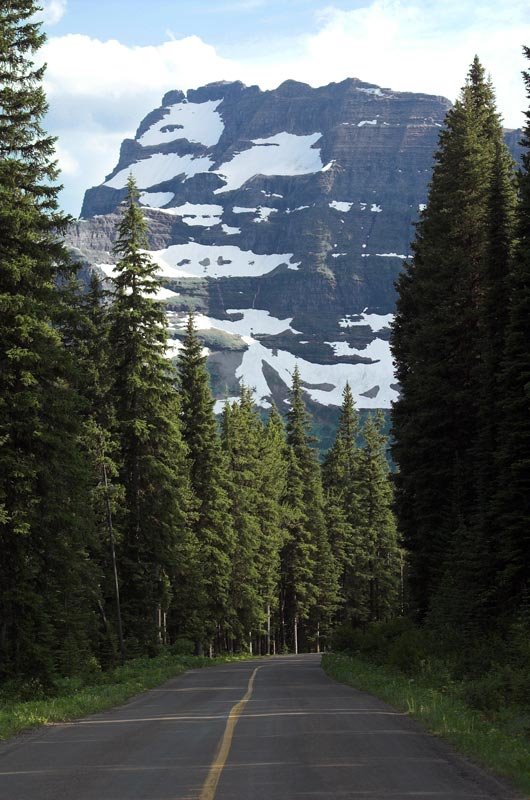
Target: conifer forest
[132, 518]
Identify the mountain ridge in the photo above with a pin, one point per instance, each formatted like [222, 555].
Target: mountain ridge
[282, 217]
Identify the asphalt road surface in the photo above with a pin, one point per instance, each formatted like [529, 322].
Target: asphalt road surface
[269, 729]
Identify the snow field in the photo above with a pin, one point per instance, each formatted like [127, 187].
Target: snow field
[338, 205]
[156, 199]
[216, 261]
[282, 154]
[196, 122]
[205, 214]
[376, 321]
[158, 168]
[362, 377]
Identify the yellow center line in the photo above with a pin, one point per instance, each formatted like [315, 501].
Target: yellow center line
[209, 787]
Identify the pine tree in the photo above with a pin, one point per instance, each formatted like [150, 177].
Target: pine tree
[382, 554]
[439, 338]
[511, 505]
[240, 436]
[273, 461]
[313, 563]
[213, 524]
[153, 467]
[88, 338]
[45, 609]
[341, 476]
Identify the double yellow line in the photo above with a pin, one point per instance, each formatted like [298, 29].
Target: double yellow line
[209, 787]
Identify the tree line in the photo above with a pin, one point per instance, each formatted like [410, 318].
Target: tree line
[461, 345]
[130, 518]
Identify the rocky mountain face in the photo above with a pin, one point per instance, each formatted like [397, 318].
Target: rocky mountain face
[282, 218]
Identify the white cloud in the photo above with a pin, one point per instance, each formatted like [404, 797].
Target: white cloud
[426, 46]
[52, 11]
[99, 91]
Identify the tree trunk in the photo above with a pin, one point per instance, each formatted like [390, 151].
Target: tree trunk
[113, 558]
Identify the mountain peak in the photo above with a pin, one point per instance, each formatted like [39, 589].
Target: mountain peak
[283, 218]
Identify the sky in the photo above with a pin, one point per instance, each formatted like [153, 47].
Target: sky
[111, 61]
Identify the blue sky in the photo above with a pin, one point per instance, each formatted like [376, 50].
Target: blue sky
[231, 24]
[110, 61]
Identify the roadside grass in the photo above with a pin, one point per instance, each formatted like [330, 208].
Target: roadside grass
[76, 697]
[443, 712]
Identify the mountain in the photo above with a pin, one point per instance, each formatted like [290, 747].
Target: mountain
[282, 218]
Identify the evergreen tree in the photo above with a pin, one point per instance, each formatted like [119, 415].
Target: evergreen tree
[273, 460]
[213, 524]
[257, 482]
[45, 607]
[309, 550]
[382, 554]
[439, 338]
[341, 475]
[241, 434]
[88, 337]
[153, 467]
[511, 507]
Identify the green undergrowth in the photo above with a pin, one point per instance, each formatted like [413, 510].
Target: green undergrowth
[493, 740]
[75, 697]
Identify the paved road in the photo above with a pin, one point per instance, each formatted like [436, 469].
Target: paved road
[270, 729]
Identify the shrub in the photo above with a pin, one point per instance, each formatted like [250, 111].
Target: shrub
[182, 647]
[409, 652]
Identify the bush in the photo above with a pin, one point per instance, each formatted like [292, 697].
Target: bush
[374, 641]
[409, 652]
[182, 647]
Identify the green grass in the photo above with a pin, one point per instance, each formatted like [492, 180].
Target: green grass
[76, 697]
[444, 713]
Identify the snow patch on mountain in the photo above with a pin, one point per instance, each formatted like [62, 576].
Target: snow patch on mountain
[338, 205]
[156, 199]
[216, 261]
[298, 208]
[204, 214]
[264, 213]
[158, 168]
[376, 321]
[361, 377]
[282, 154]
[196, 122]
[374, 90]
[254, 321]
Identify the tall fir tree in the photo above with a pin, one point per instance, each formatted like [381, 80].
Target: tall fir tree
[341, 475]
[45, 608]
[308, 549]
[273, 460]
[511, 503]
[88, 341]
[240, 436]
[439, 341]
[153, 457]
[209, 480]
[381, 552]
